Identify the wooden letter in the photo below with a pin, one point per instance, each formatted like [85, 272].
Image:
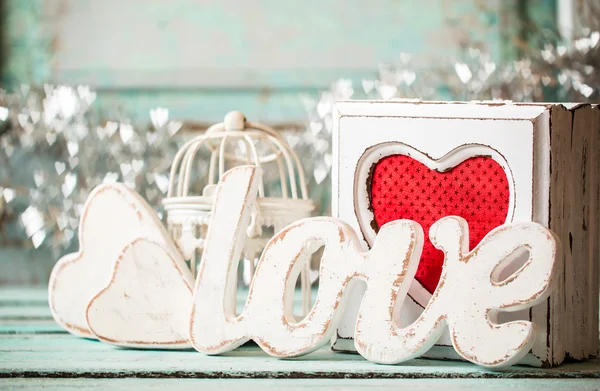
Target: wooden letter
[267, 316]
[467, 298]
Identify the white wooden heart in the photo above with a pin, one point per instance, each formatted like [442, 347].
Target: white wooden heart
[113, 216]
[148, 301]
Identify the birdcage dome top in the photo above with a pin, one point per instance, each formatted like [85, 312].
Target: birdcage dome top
[233, 142]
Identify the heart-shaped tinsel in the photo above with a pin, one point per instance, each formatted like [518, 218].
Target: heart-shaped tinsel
[403, 188]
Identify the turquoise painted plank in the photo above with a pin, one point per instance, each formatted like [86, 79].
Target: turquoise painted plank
[25, 312]
[299, 384]
[30, 48]
[23, 327]
[206, 105]
[203, 58]
[252, 42]
[48, 343]
[214, 79]
[23, 295]
[31, 346]
[25, 267]
[23, 302]
[65, 355]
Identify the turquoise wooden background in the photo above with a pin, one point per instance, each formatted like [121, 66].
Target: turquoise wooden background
[202, 58]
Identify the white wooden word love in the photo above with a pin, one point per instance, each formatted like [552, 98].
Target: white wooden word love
[466, 300]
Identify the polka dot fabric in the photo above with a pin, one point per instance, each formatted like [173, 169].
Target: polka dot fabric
[476, 189]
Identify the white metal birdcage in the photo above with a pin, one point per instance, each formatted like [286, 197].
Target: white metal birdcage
[236, 142]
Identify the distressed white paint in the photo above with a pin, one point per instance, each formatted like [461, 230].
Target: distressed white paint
[549, 153]
[467, 299]
[112, 218]
[439, 135]
[148, 301]
[189, 214]
[442, 132]
[267, 317]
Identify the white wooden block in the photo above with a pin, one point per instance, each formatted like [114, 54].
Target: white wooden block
[548, 161]
[148, 301]
[113, 217]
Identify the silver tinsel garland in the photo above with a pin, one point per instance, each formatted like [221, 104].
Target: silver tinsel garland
[54, 151]
[556, 71]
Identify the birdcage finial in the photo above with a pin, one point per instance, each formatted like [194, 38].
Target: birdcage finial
[234, 120]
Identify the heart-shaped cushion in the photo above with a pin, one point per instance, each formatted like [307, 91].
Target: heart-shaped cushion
[113, 216]
[403, 188]
[148, 301]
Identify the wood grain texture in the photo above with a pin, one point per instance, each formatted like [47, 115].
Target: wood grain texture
[147, 302]
[196, 56]
[25, 311]
[60, 356]
[299, 384]
[468, 309]
[112, 217]
[550, 153]
[61, 361]
[574, 216]
[468, 298]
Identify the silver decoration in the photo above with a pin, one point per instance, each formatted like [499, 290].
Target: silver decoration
[555, 71]
[54, 150]
[313, 145]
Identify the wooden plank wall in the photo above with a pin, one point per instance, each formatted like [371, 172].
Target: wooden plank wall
[200, 58]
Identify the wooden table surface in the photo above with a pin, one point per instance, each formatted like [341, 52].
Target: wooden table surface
[37, 354]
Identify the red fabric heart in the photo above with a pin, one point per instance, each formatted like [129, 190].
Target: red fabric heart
[476, 189]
